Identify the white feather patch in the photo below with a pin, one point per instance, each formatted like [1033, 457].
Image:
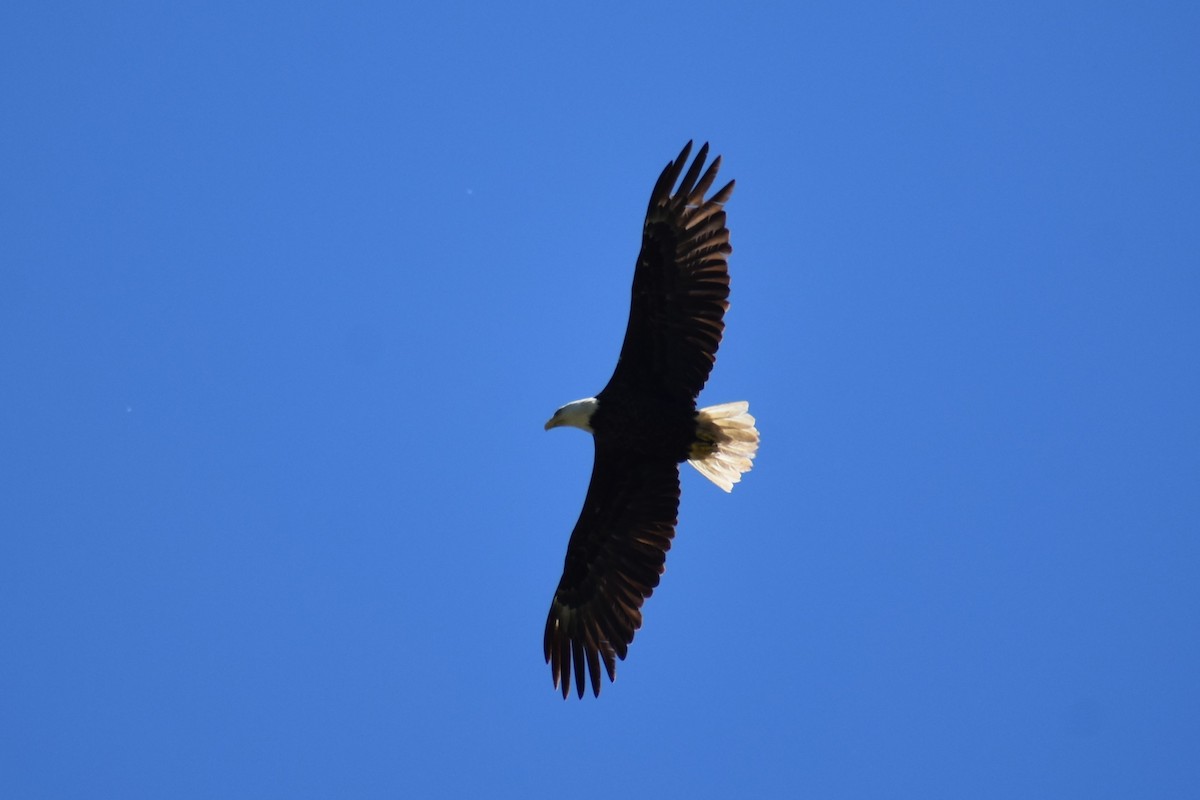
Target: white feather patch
[727, 443]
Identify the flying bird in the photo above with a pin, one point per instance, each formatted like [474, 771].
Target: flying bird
[645, 423]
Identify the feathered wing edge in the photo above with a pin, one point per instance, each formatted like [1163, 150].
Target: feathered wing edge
[615, 559]
[690, 192]
[681, 282]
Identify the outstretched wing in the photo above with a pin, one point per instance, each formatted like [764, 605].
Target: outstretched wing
[680, 285]
[614, 560]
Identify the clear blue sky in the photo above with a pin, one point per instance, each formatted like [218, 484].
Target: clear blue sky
[288, 290]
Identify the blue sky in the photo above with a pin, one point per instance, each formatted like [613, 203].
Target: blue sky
[287, 292]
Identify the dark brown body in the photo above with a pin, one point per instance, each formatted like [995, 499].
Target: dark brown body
[644, 425]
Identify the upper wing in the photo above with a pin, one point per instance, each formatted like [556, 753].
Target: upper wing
[680, 284]
[614, 560]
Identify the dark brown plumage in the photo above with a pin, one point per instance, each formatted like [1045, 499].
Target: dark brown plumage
[644, 423]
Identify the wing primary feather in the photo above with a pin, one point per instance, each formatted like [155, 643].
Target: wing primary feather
[662, 189]
[593, 658]
[723, 195]
[610, 663]
[564, 659]
[689, 180]
[577, 656]
[710, 175]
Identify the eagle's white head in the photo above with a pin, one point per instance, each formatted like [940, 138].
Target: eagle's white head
[577, 414]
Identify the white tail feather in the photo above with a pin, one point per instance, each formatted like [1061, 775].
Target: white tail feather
[726, 443]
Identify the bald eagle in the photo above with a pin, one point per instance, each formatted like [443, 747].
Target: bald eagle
[645, 423]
